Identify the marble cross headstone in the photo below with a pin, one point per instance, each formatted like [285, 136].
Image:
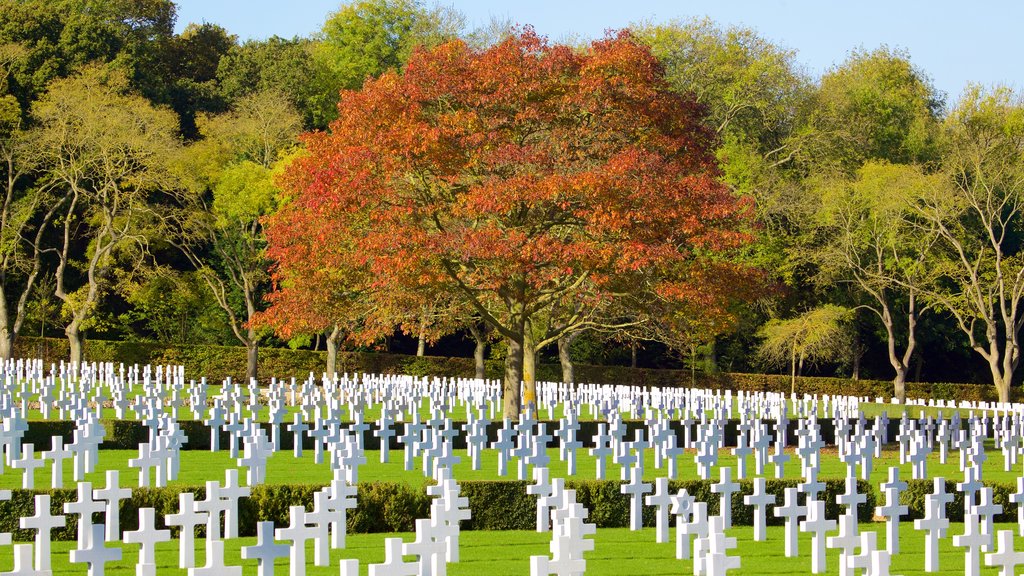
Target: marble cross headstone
[147, 537]
[760, 500]
[265, 551]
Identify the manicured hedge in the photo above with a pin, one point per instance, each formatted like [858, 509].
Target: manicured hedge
[219, 362]
[914, 498]
[394, 507]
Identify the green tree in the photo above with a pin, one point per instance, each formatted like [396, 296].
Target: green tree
[366, 37]
[869, 236]
[108, 151]
[61, 36]
[286, 66]
[191, 60]
[26, 211]
[818, 335]
[221, 230]
[875, 106]
[978, 219]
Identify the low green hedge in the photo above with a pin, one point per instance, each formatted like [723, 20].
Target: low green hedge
[394, 507]
[219, 362]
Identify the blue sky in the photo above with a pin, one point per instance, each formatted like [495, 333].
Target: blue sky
[954, 42]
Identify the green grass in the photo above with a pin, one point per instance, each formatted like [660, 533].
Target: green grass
[197, 466]
[617, 551]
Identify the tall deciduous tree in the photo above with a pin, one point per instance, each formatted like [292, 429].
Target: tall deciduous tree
[108, 151]
[978, 218]
[26, 211]
[222, 231]
[875, 106]
[520, 176]
[870, 237]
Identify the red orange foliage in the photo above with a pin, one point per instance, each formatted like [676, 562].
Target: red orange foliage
[517, 176]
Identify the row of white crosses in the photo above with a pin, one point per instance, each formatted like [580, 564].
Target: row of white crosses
[83, 451]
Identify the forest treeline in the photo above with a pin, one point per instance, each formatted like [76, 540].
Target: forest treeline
[875, 220]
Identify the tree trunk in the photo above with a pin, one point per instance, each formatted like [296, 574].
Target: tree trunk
[632, 354]
[421, 344]
[1002, 373]
[918, 365]
[513, 379]
[712, 357]
[252, 361]
[899, 386]
[693, 365]
[479, 353]
[565, 359]
[74, 342]
[792, 371]
[6, 343]
[856, 365]
[529, 373]
[332, 351]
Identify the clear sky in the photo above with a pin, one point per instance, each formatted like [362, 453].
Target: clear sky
[954, 42]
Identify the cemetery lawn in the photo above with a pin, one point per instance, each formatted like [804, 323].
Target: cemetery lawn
[617, 551]
[198, 466]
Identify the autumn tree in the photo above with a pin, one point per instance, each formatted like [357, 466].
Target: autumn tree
[221, 231]
[108, 151]
[519, 176]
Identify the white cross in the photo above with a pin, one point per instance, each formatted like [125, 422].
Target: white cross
[28, 462]
[57, 453]
[43, 522]
[973, 540]
[851, 498]
[215, 562]
[144, 463]
[635, 489]
[934, 523]
[661, 500]
[84, 507]
[147, 536]
[112, 494]
[817, 525]
[986, 511]
[96, 554]
[760, 500]
[231, 492]
[265, 551]
[431, 552]
[792, 512]
[297, 533]
[187, 518]
[846, 541]
[1006, 558]
[393, 564]
[726, 487]
[343, 499]
[892, 509]
[297, 428]
[23, 562]
[214, 506]
[1018, 499]
[541, 488]
[321, 518]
